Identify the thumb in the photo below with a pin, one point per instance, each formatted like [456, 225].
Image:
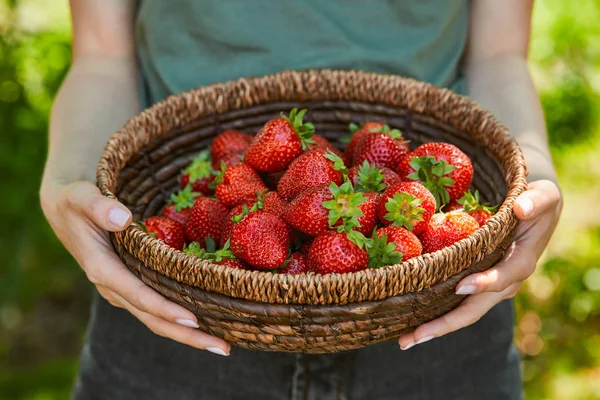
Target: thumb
[539, 198]
[107, 213]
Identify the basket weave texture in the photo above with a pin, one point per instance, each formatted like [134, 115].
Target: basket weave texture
[308, 313]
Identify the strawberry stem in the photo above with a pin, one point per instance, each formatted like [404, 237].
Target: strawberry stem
[432, 173]
[382, 253]
[304, 130]
[184, 198]
[404, 210]
[470, 202]
[370, 178]
[200, 167]
[344, 206]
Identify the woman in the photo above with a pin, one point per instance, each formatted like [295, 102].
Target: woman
[127, 56]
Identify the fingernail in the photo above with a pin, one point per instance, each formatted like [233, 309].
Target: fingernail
[408, 346]
[187, 322]
[425, 339]
[217, 350]
[118, 217]
[466, 289]
[526, 205]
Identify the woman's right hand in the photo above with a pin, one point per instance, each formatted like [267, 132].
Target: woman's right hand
[81, 218]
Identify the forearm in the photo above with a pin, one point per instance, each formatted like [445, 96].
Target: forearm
[97, 97]
[503, 85]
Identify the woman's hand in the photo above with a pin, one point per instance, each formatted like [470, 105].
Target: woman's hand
[81, 217]
[538, 210]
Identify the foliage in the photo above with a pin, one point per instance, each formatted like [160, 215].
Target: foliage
[44, 296]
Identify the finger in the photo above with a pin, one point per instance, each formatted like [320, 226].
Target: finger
[540, 197]
[104, 268]
[518, 265]
[108, 296]
[186, 335]
[469, 312]
[107, 213]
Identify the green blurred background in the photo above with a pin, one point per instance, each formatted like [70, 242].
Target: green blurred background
[44, 297]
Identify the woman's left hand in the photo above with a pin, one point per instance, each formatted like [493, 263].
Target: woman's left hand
[538, 210]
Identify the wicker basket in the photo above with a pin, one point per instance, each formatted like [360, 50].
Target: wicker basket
[308, 313]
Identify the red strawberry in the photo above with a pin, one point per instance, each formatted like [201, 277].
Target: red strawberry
[279, 142]
[206, 220]
[445, 170]
[237, 213]
[166, 230]
[229, 160]
[306, 212]
[384, 148]
[323, 207]
[180, 205]
[334, 252]
[223, 256]
[261, 239]
[297, 264]
[405, 242]
[274, 204]
[407, 204]
[446, 229]
[238, 184]
[229, 142]
[306, 247]
[368, 178]
[310, 170]
[358, 134]
[199, 174]
[322, 143]
[471, 205]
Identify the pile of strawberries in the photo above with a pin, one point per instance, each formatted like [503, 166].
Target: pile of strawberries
[288, 201]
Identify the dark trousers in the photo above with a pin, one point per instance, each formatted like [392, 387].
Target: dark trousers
[122, 359]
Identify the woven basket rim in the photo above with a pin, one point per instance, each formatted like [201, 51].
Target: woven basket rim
[282, 288]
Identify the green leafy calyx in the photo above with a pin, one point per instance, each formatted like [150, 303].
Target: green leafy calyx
[393, 133]
[200, 167]
[338, 163]
[210, 252]
[344, 207]
[218, 176]
[239, 217]
[184, 198]
[382, 253]
[404, 209]
[433, 174]
[471, 202]
[369, 179]
[305, 130]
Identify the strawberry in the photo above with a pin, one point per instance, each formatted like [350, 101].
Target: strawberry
[279, 142]
[227, 143]
[322, 143]
[236, 213]
[261, 239]
[223, 256]
[441, 167]
[229, 160]
[238, 184]
[368, 178]
[403, 241]
[199, 174]
[166, 230]
[446, 229]
[384, 148]
[306, 247]
[471, 205]
[180, 205]
[334, 252]
[407, 204]
[327, 206]
[306, 212]
[273, 203]
[311, 169]
[296, 264]
[357, 134]
[206, 220]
